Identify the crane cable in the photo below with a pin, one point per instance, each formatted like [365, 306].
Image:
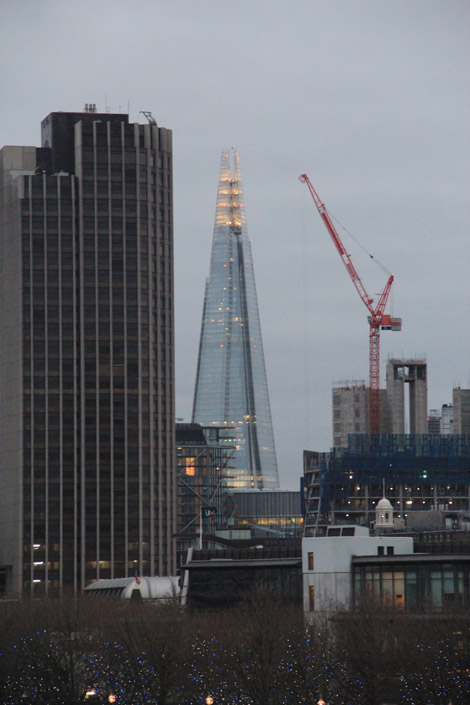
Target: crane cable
[306, 316]
[374, 259]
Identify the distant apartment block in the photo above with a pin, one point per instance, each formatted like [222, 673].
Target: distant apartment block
[461, 410]
[447, 419]
[434, 421]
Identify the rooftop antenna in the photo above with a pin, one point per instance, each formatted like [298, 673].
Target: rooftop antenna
[149, 116]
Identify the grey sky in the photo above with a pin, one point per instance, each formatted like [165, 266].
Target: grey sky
[369, 97]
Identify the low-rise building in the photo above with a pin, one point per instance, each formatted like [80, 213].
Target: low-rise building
[348, 567]
[223, 578]
[327, 563]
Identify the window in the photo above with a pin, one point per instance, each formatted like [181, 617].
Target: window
[311, 596]
[310, 561]
[390, 550]
[380, 550]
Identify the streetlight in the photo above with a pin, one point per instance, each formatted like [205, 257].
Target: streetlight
[321, 702]
[209, 700]
[111, 698]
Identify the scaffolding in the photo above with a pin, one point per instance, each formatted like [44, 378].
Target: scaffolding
[420, 472]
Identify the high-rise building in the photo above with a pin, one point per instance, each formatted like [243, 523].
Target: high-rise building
[87, 444]
[231, 386]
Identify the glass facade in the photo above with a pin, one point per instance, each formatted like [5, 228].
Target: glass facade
[231, 385]
[429, 584]
[278, 511]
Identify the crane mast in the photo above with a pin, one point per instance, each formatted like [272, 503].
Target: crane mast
[378, 319]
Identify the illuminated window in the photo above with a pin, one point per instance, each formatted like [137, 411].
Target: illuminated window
[310, 561]
[189, 469]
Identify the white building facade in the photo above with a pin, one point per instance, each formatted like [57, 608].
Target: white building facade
[327, 564]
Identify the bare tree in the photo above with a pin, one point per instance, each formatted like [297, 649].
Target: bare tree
[309, 664]
[369, 653]
[437, 669]
[147, 650]
[255, 647]
[47, 650]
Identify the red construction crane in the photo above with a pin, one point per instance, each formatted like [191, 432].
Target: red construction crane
[378, 320]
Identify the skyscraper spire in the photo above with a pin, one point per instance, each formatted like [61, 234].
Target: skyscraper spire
[231, 386]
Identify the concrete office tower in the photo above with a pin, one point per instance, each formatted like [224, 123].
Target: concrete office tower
[231, 386]
[413, 373]
[351, 410]
[87, 471]
[461, 410]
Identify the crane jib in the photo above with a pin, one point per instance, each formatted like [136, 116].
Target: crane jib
[377, 319]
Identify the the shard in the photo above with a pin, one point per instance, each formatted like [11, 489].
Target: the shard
[231, 386]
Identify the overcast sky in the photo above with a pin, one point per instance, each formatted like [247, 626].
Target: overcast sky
[369, 97]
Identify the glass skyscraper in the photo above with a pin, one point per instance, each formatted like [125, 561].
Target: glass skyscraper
[231, 386]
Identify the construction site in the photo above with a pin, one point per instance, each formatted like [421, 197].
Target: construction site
[381, 441]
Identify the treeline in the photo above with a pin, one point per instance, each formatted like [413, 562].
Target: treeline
[262, 653]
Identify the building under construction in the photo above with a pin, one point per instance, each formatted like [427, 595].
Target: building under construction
[351, 402]
[413, 373]
[205, 458]
[351, 406]
[417, 472]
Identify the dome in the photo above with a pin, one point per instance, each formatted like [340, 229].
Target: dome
[384, 514]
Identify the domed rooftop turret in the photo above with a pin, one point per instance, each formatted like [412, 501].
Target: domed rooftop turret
[384, 514]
